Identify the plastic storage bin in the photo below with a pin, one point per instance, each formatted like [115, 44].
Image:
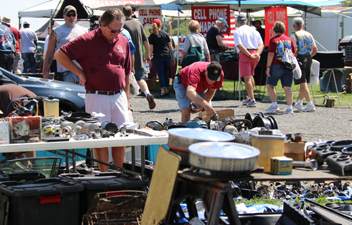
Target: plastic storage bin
[51, 201]
[103, 182]
[269, 146]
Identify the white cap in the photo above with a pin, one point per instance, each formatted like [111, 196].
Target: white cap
[26, 22]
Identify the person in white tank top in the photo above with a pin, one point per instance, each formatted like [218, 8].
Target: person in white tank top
[59, 37]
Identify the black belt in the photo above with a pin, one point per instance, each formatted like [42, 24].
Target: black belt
[304, 54]
[104, 92]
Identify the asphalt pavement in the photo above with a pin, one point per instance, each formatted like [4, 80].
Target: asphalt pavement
[324, 124]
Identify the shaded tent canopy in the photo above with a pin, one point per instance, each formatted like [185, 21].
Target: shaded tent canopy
[252, 6]
[43, 31]
[54, 8]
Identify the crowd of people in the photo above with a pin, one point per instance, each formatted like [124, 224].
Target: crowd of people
[102, 60]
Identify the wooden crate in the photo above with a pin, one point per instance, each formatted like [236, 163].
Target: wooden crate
[223, 113]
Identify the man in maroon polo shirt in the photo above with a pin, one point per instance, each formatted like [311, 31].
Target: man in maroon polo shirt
[104, 56]
[197, 83]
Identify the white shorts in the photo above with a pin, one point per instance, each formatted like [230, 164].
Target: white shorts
[114, 107]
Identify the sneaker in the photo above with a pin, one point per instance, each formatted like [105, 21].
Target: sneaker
[151, 102]
[246, 101]
[309, 108]
[272, 109]
[251, 103]
[298, 106]
[288, 111]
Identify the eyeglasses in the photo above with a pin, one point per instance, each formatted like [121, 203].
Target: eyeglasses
[72, 14]
[114, 31]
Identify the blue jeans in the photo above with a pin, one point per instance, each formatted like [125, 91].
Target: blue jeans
[277, 73]
[181, 95]
[162, 68]
[70, 77]
[29, 62]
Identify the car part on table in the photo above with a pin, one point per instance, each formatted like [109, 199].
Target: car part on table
[312, 164]
[321, 152]
[223, 156]
[91, 128]
[181, 138]
[239, 124]
[251, 117]
[340, 163]
[339, 145]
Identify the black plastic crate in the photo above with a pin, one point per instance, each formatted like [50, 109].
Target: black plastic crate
[51, 201]
[103, 182]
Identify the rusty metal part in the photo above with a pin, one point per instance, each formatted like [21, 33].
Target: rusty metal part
[312, 164]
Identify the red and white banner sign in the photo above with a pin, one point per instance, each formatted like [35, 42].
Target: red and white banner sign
[147, 15]
[207, 15]
[100, 3]
[273, 14]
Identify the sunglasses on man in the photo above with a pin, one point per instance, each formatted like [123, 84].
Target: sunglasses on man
[71, 14]
[113, 31]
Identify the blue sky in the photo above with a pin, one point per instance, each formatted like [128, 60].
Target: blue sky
[10, 8]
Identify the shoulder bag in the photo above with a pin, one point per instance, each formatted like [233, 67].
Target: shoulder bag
[194, 54]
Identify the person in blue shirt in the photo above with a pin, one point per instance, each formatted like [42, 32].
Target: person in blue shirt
[7, 47]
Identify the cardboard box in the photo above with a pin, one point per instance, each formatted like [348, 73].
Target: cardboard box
[295, 150]
[25, 129]
[281, 165]
[223, 113]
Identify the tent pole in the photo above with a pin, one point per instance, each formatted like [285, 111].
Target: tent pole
[178, 36]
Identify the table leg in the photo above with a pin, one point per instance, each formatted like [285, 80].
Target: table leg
[74, 161]
[133, 151]
[67, 164]
[143, 161]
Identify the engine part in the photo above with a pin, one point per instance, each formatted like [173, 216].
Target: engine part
[67, 124]
[312, 164]
[239, 124]
[79, 123]
[77, 130]
[339, 145]
[321, 152]
[90, 128]
[267, 122]
[340, 163]
[110, 127]
[251, 117]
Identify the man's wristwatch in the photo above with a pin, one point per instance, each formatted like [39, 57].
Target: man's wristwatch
[267, 66]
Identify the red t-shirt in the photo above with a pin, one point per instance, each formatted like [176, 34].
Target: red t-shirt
[194, 75]
[278, 44]
[17, 35]
[105, 65]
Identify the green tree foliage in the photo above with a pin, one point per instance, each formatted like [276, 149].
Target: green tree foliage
[347, 3]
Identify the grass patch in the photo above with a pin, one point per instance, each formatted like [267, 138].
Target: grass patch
[261, 93]
[322, 200]
[261, 200]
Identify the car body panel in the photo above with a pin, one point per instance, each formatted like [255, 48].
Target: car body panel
[70, 95]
